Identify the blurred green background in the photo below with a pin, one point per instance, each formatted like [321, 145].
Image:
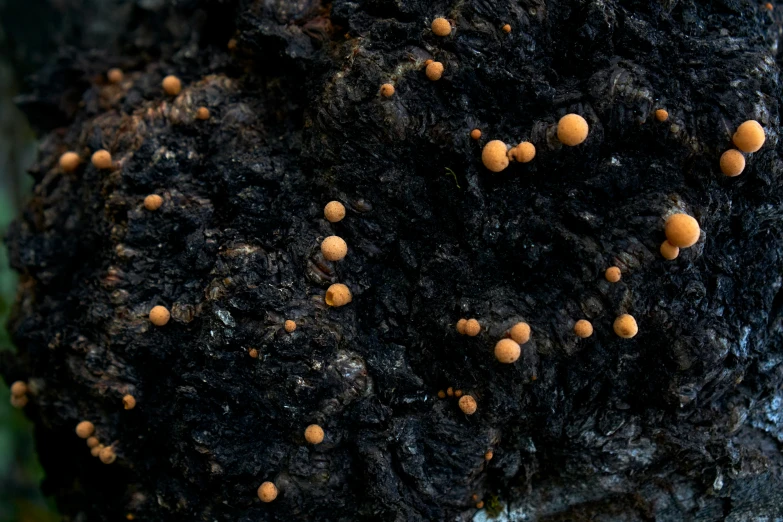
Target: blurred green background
[20, 472]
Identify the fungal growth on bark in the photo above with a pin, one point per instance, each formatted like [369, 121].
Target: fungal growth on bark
[440, 358]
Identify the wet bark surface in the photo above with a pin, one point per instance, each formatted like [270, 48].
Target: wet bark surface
[682, 422]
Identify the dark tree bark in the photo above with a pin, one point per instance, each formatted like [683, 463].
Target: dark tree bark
[682, 422]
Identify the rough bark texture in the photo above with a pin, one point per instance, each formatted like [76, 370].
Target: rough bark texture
[683, 422]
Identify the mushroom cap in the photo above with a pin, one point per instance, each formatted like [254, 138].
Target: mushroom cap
[101, 159]
[202, 113]
[732, 162]
[441, 27]
[289, 326]
[494, 156]
[434, 71]
[85, 429]
[314, 434]
[669, 251]
[520, 333]
[387, 90]
[625, 326]
[572, 130]
[334, 248]
[267, 492]
[153, 202]
[338, 295]
[468, 405]
[69, 161]
[749, 136]
[613, 274]
[507, 351]
[159, 315]
[682, 230]
[334, 211]
[524, 152]
[172, 85]
[661, 115]
[583, 328]
[472, 328]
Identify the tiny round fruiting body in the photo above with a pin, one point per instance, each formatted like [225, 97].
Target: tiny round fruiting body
[19, 388]
[434, 71]
[506, 28]
[480, 504]
[252, 352]
[441, 27]
[583, 328]
[458, 393]
[107, 455]
[232, 44]
[314, 434]
[472, 327]
[661, 115]
[19, 401]
[69, 161]
[520, 333]
[450, 391]
[749, 136]
[92, 442]
[96, 450]
[115, 75]
[468, 405]
[494, 156]
[682, 230]
[488, 455]
[669, 251]
[441, 394]
[625, 326]
[202, 113]
[613, 274]
[387, 90]
[153, 202]
[732, 163]
[338, 295]
[572, 130]
[475, 134]
[461, 326]
[334, 248]
[524, 152]
[101, 159]
[428, 61]
[507, 351]
[159, 315]
[172, 85]
[289, 326]
[129, 402]
[85, 429]
[334, 211]
[267, 492]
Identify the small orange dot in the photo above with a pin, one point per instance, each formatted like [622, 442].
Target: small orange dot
[114, 75]
[252, 352]
[441, 394]
[101, 159]
[172, 85]
[613, 274]
[202, 113]
[159, 315]
[290, 326]
[468, 405]
[450, 391]
[472, 328]
[434, 71]
[475, 134]
[153, 202]
[488, 455]
[387, 90]
[507, 28]
[458, 393]
[661, 115]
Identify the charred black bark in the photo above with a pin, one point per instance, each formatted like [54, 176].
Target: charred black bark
[683, 422]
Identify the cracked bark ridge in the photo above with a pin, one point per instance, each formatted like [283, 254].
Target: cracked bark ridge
[682, 422]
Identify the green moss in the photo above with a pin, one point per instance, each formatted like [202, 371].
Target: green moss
[493, 507]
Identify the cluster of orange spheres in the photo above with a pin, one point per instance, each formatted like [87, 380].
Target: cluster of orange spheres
[749, 137]
[469, 327]
[682, 231]
[19, 391]
[334, 248]
[572, 130]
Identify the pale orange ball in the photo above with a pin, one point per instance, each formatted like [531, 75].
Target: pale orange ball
[338, 295]
[387, 90]
[85, 429]
[572, 130]
[107, 455]
[749, 136]
[682, 230]
[494, 156]
[19, 401]
[732, 162]
[172, 85]
[461, 326]
[314, 434]
[129, 402]
[625, 326]
[475, 134]
[202, 113]
[334, 211]
[524, 152]
[93, 442]
[159, 315]
[69, 161]
[506, 28]
[468, 405]
[114, 75]
[613, 274]
[19, 388]
[669, 251]
[101, 159]
[661, 115]
[434, 71]
[153, 202]
[472, 328]
[289, 326]
[583, 328]
[441, 27]
[507, 351]
[267, 492]
[334, 248]
[520, 333]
